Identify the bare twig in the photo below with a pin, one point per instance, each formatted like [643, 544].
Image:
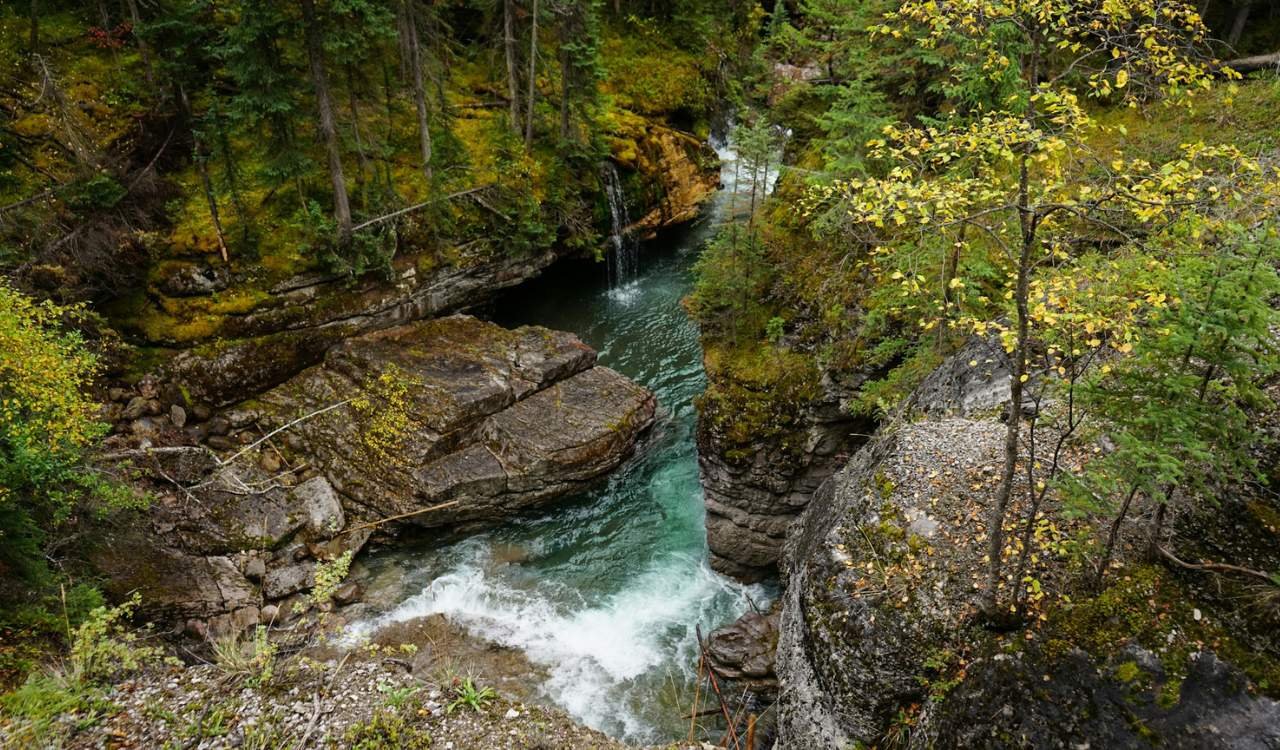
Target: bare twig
[282, 428]
[1212, 567]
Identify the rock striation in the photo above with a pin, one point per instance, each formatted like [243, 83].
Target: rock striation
[753, 496]
[498, 420]
[452, 410]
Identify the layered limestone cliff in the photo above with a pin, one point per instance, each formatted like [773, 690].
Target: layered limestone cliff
[222, 332]
[755, 489]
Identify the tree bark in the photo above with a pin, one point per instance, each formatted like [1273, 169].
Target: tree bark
[564, 92]
[361, 159]
[136, 20]
[414, 50]
[202, 163]
[509, 47]
[315, 55]
[533, 62]
[1114, 534]
[1237, 26]
[1256, 62]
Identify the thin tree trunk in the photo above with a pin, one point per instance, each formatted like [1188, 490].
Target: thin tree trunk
[1237, 26]
[414, 50]
[388, 135]
[33, 40]
[1027, 221]
[564, 92]
[1153, 547]
[230, 169]
[361, 159]
[533, 63]
[315, 55]
[202, 163]
[995, 520]
[509, 47]
[1114, 534]
[136, 20]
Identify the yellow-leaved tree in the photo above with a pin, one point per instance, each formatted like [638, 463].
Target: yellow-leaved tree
[1069, 242]
[48, 422]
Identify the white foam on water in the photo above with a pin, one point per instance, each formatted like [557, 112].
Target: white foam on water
[625, 293]
[603, 658]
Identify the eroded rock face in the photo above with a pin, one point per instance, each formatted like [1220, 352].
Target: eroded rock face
[497, 421]
[500, 420]
[752, 502]
[678, 170]
[304, 316]
[881, 575]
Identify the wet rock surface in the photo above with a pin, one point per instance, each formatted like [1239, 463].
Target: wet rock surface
[495, 421]
[743, 651]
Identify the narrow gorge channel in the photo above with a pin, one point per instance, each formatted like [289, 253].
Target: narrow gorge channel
[604, 590]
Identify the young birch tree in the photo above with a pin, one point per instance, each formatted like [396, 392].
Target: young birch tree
[1024, 186]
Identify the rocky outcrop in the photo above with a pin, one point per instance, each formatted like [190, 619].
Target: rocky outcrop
[879, 639]
[219, 543]
[454, 411]
[754, 494]
[676, 172]
[496, 420]
[743, 651]
[296, 321]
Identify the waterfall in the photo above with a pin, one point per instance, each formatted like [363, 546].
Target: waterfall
[623, 253]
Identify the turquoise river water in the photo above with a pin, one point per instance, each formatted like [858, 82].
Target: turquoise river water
[606, 587]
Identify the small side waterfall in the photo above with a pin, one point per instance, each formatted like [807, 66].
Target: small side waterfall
[623, 255]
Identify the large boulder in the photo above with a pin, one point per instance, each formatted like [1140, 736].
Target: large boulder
[880, 638]
[453, 410]
[496, 420]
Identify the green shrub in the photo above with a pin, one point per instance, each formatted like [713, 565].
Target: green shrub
[469, 695]
[47, 425]
[103, 648]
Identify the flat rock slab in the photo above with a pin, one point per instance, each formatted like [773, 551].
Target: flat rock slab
[496, 419]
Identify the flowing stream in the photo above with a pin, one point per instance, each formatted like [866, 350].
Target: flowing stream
[604, 589]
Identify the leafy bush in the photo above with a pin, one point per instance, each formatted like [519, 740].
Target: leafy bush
[47, 424]
[103, 648]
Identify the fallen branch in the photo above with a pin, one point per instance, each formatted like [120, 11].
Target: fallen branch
[281, 429]
[410, 514]
[1255, 62]
[715, 685]
[1212, 567]
[417, 206]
